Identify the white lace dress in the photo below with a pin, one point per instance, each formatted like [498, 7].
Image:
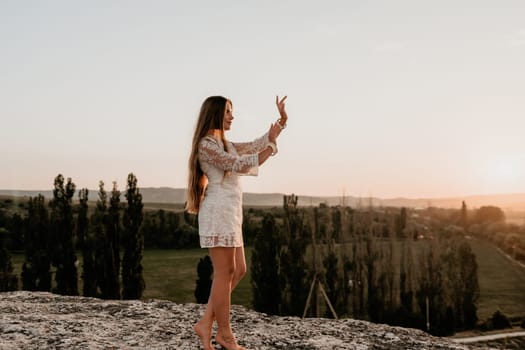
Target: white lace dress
[220, 213]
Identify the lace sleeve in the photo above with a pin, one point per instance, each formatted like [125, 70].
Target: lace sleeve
[212, 152]
[255, 146]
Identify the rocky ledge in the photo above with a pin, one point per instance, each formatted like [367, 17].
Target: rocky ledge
[30, 320]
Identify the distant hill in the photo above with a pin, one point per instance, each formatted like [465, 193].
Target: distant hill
[149, 194]
[512, 202]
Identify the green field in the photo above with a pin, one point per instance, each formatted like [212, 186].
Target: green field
[501, 282]
[171, 275]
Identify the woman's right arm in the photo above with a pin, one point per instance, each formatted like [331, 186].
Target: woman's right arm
[265, 154]
[272, 138]
[212, 152]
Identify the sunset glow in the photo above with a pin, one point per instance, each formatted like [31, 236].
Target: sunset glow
[383, 98]
[506, 172]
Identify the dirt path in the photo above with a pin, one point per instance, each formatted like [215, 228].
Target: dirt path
[488, 337]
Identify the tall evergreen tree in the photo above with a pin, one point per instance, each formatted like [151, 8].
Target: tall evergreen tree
[132, 279]
[36, 270]
[401, 223]
[469, 276]
[347, 284]
[337, 224]
[463, 215]
[293, 276]
[332, 280]
[406, 285]
[85, 242]
[8, 280]
[431, 291]
[328, 220]
[374, 300]
[112, 247]
[265, 281]
[100, 220]
[387, 275]
[63, 257]
[358, 265]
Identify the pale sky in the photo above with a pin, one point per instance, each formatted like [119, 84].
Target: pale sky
[385, 98]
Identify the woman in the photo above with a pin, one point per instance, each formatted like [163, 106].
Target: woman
[214, 192]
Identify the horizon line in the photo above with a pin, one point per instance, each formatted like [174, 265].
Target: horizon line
[308, 195]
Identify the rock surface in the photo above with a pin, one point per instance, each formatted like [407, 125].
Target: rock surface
[37, 320]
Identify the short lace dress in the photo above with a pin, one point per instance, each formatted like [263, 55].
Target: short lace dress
[220, 213]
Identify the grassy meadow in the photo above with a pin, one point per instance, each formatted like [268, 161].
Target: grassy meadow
[501, 282]
[171, 275]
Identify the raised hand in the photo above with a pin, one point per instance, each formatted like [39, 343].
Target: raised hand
[282, 112]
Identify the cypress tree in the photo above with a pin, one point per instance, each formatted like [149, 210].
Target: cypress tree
[293, 274]
[358, 272]
[401, 223]
[112, 247]
[463, 215]
[406, 287]
[431, 287]
[330, 223]
[265, 281]
[469, 276]
[347, 284]
[374, 301]
[132, 280]
[63, 256]
[99, 220]
[85, 242]
[15, 224]
[332, 280]
[36, 270]
[8, 280]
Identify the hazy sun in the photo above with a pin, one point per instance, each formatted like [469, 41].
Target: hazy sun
[504, 170]
[506, 173]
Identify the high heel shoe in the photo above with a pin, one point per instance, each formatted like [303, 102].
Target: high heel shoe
[228, 343]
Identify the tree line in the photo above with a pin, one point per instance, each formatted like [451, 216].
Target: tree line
[381, 264]
[371, 264]
[110, 240]
[488, 223]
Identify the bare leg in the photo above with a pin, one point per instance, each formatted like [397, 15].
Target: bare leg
[238, 274]
[223, 270]
[240, 266]
[204, 327]
[223, 261]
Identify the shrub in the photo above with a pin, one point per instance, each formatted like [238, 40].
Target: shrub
[203, 287]
[500, 321]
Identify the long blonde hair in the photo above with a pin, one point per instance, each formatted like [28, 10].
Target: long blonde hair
[211, 117]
